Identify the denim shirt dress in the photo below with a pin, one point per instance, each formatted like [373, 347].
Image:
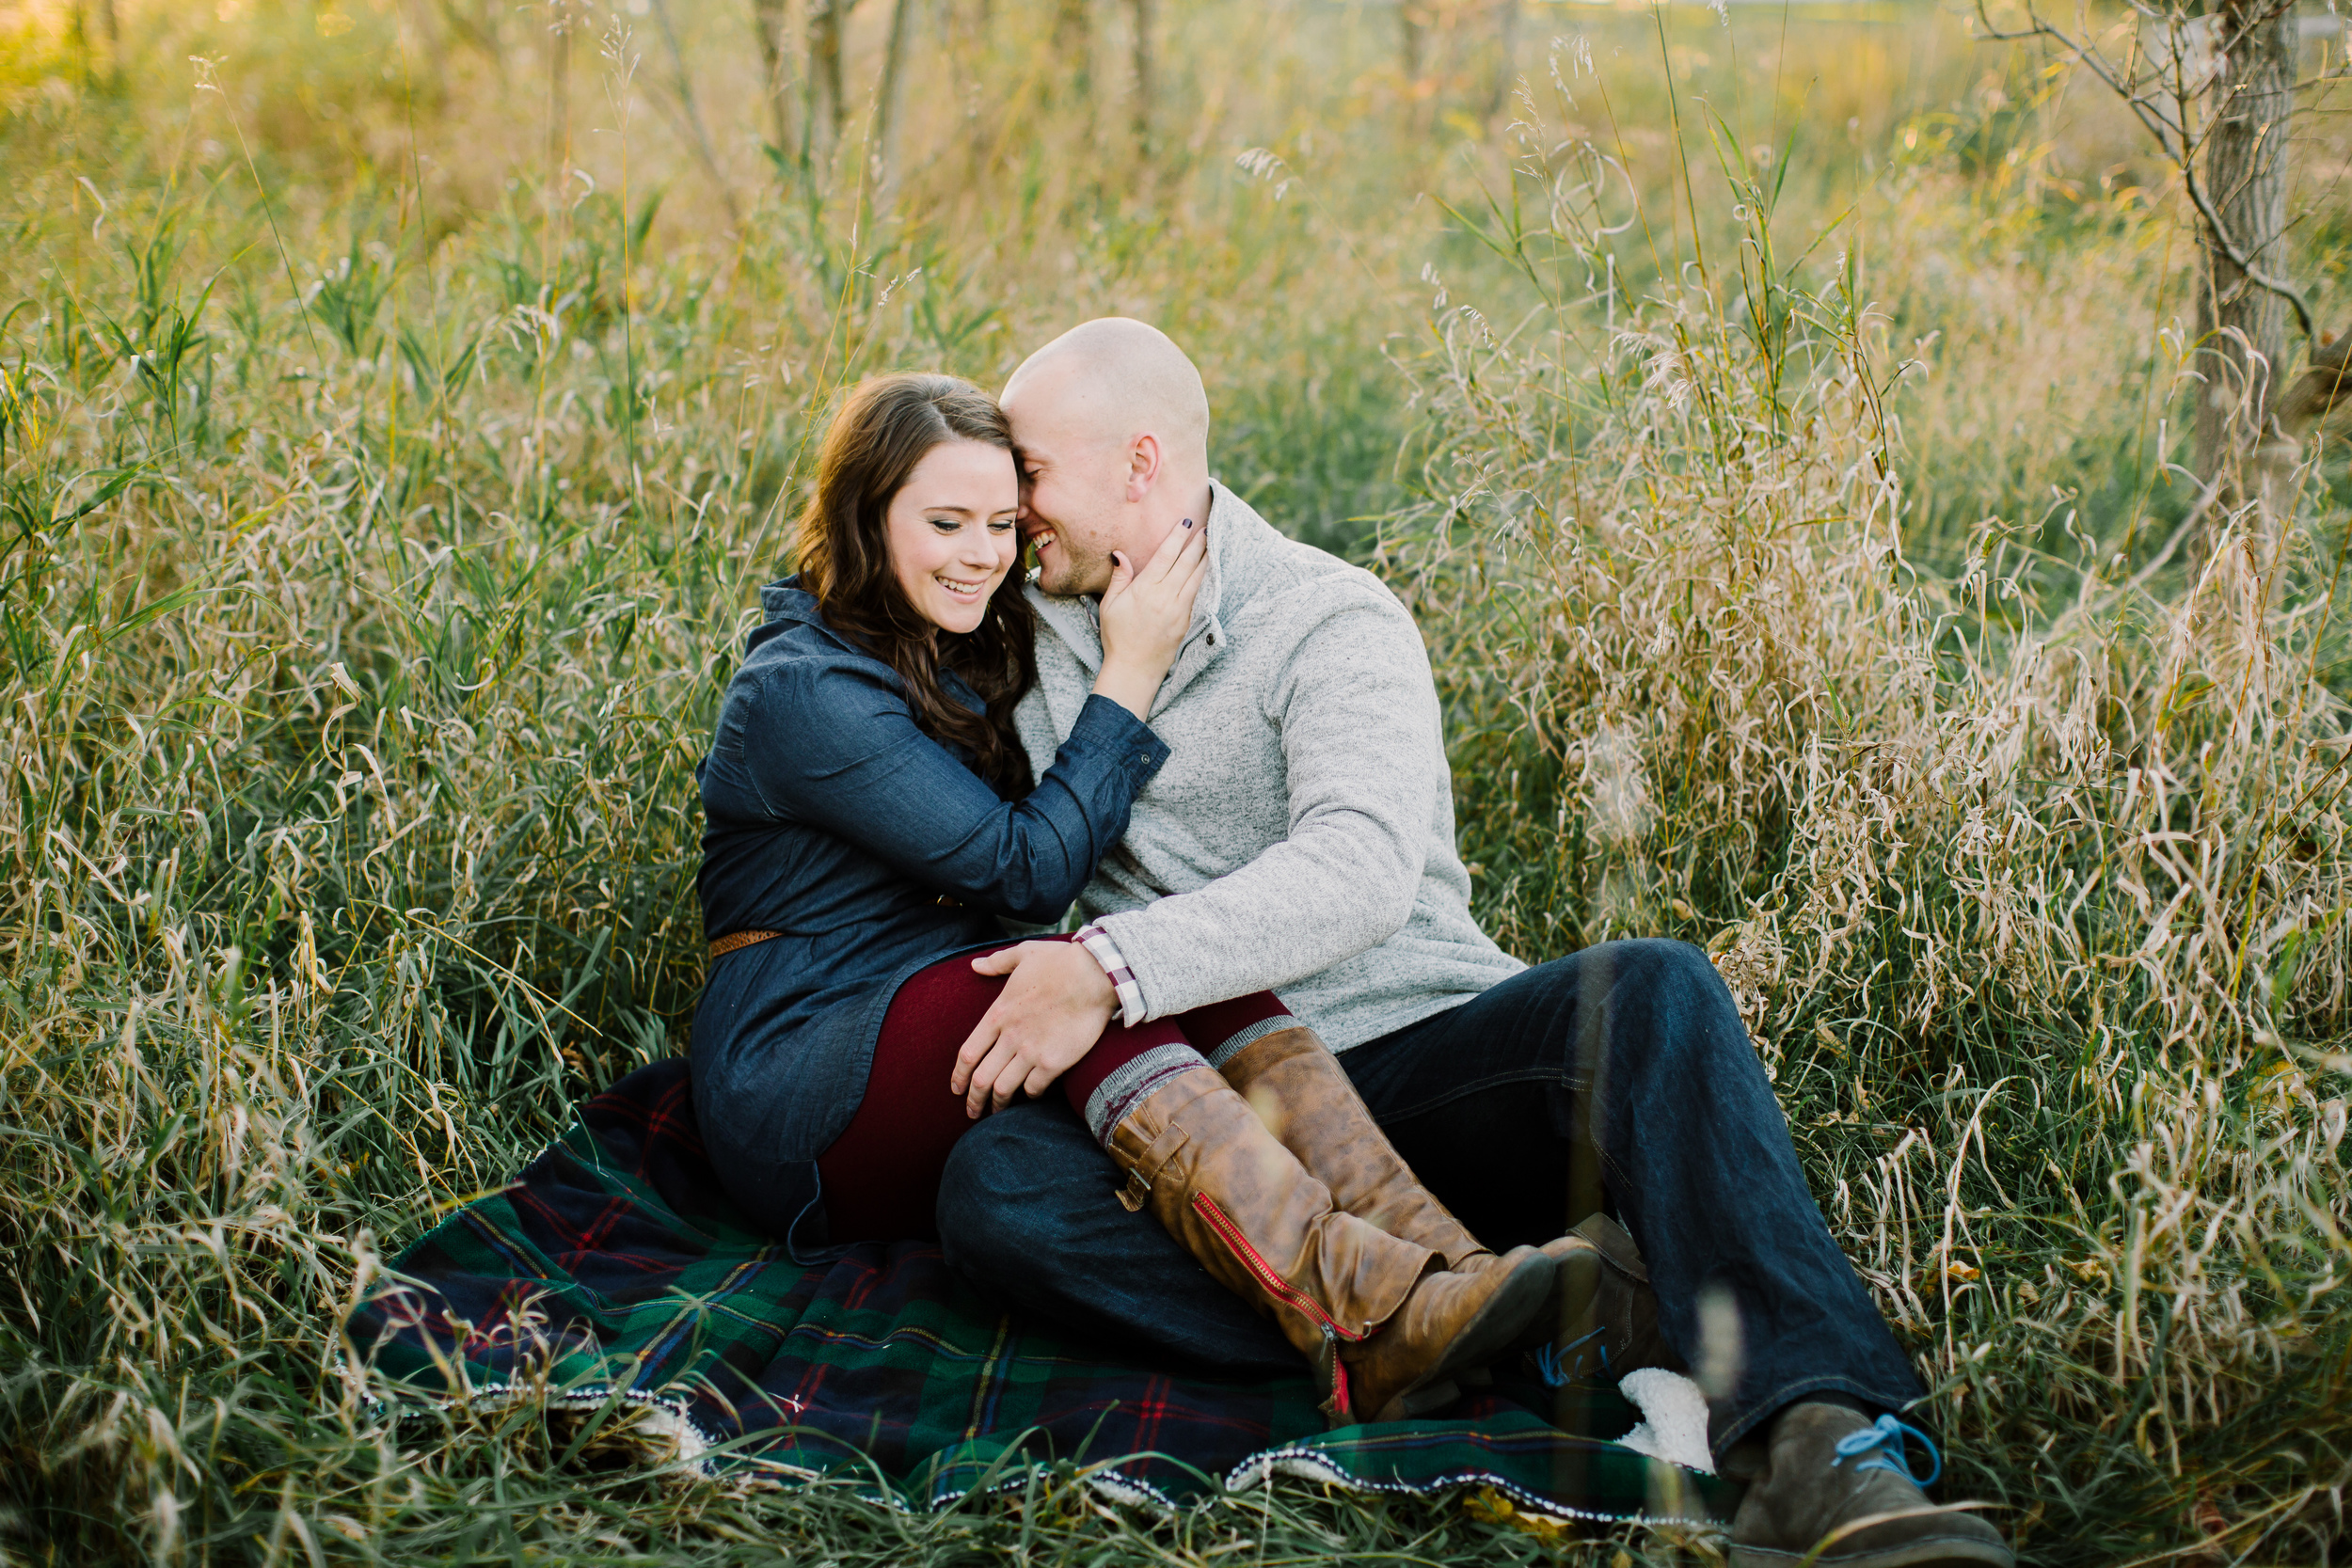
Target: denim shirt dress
[873, 850]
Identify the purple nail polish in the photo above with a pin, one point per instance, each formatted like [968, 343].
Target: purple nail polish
[1188, 522]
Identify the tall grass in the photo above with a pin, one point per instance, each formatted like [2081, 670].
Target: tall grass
[386, 465]
[2032, 879]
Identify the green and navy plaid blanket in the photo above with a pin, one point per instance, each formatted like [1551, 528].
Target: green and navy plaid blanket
[614, 1267]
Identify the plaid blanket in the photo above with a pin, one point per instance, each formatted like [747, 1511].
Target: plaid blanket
[614, 1268]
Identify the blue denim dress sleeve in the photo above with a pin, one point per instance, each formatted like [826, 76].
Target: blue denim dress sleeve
[831, 743]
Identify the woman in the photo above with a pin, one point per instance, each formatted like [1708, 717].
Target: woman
[871, 817]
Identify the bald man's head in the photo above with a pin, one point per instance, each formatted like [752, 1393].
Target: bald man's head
[1114, 377]
[1113, 428]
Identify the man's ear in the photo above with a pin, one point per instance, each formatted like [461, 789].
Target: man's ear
[1144, 462]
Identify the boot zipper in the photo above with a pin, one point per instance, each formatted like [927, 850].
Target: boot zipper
[1283, 1291]
[1274, 1284]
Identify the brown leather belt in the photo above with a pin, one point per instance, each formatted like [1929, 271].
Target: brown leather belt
[728, 943]
[735, 941]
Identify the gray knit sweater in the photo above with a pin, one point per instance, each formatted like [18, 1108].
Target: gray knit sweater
[1301, 837]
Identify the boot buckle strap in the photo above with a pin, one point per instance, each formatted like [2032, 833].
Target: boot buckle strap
[1135, 1194]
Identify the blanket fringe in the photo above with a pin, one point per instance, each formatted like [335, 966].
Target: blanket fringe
[1306, 1463]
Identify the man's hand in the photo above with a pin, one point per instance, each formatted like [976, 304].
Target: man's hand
[1050, 1013]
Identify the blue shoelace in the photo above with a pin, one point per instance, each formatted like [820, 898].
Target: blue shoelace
[1554, 1366]
[1882, 1441]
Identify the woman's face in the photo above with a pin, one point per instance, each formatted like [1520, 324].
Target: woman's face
[951, 531]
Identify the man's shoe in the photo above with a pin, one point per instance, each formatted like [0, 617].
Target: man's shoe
[1387, 1330]
[1836, 1491]
[1307, 1100]
[1602, 1322]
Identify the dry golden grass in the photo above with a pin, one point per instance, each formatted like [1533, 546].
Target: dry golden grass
[396, 428]
[2032, 878]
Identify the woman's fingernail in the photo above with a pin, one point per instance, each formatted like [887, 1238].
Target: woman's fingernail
[1188, 522]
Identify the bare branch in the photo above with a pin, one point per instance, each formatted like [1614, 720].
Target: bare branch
[681, 106]
[2163, 130]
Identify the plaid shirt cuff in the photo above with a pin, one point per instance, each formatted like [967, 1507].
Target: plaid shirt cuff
[1098, 941]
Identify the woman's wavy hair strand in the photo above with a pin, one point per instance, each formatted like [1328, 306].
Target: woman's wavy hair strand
[884, 427]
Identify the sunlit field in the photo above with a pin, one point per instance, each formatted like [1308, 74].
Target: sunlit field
[1777, 420]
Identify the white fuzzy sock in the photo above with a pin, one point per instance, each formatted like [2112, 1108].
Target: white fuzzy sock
[1673, 1419]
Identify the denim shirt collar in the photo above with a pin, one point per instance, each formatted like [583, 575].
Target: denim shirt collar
[786, 602]
[1224, 585]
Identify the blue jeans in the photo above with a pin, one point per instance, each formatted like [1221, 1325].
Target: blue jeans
[1619, 1077]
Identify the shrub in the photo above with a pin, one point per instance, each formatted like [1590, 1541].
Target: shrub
[2036, 908]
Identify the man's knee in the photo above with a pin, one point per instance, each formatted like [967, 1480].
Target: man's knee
[1660, 999]
[1640, 966]
[997, 1181]
[1695, 1022]
[1659, 963]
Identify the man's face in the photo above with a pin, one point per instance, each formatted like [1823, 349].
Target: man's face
[1074, 489]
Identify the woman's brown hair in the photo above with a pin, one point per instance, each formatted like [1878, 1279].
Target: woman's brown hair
[885, 426]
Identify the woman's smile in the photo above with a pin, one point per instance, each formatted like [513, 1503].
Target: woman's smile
[951, 532]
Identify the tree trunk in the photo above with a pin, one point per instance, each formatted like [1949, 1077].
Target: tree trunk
[2242, 325]
[2325, 386]
[1073, 40]
[827, 20]
[893, 73]
[686, 110]
[1142, 12]
[771, 21]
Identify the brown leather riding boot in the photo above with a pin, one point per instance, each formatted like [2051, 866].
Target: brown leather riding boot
[1304, 1095]
[1602, 1318]
[1385, 1326]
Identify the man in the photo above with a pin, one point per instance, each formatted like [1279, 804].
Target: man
[1300, 839]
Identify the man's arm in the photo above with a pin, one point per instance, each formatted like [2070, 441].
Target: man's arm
[1049, 1015]
[1362, 751]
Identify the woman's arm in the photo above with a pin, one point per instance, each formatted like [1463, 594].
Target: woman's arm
[832, 743]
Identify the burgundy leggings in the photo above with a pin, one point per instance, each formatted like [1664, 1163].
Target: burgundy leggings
[881, 1175]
